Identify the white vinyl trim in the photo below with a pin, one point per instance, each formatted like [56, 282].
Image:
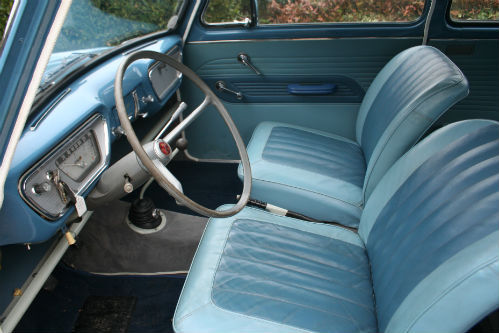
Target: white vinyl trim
[31, 93]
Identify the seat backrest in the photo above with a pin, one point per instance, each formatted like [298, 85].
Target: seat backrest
[409, 94]
[431, 229]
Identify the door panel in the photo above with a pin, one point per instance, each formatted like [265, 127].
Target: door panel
[474, 48]
[298, 88]
[478, 59]
[350, 63]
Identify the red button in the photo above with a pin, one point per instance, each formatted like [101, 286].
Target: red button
[165, 148]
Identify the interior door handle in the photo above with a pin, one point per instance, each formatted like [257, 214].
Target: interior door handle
[244, 59]
[220, 86]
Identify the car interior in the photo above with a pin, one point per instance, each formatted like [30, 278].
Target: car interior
[198, 166]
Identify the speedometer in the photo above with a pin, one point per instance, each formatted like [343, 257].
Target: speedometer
[80, 158]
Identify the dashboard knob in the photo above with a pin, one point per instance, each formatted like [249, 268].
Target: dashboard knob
[128, 187]
[42, 188]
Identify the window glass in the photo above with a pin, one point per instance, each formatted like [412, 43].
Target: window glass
[474, 10]
[5, 6]
[338, 11]
[93, 27]
[227, 11]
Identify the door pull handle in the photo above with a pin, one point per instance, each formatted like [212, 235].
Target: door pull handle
[221, 86]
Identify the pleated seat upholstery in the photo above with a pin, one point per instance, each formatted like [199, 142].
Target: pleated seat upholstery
[425, 259]
[329, 177]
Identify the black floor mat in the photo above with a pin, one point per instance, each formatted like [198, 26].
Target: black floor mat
[106, 314]
[58, 309]
[210, 184]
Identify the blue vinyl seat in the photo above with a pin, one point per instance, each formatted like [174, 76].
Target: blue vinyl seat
[425, 258]
[329, 177]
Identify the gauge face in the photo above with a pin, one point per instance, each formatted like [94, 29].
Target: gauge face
[80, 158]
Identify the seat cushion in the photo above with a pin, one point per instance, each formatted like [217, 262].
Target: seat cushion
[259, 272]
[314, 173]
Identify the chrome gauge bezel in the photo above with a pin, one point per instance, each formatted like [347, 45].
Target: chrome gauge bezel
[49, 204]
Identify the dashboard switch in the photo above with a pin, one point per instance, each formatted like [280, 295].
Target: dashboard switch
[147, 99]
[41, 188]
[128, 187]
[118, 131]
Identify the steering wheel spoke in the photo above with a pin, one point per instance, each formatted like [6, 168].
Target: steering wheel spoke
[155, 163]
[187, 121]
[168, 175]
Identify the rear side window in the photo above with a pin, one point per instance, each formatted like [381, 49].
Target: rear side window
[474, 11]
[314, 11]
[338, 11]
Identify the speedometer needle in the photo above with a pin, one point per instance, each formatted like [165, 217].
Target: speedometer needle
[78, 162]
[75, 164]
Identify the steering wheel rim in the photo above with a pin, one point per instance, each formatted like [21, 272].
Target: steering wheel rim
[148, 163]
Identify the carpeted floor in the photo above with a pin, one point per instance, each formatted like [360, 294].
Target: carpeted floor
[108, 245]
[57, 309]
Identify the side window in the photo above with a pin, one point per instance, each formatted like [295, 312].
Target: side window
[227, 11]
[339, 11]
[314, 11]
[474, 10]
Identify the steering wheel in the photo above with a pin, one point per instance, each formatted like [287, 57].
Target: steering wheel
[157, 154]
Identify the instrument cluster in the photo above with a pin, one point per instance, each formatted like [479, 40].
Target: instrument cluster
[56, 183]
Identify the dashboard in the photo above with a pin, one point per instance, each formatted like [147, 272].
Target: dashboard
[68, 144]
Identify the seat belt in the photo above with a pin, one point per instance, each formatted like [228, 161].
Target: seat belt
[289, 213]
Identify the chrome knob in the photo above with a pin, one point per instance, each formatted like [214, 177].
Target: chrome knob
[41, 188]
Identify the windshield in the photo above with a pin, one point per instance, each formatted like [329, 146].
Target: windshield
[93, 27]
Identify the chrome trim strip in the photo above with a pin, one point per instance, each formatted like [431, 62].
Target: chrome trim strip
[332, 38]
[49, 109]
[460, 39]
[293, 39]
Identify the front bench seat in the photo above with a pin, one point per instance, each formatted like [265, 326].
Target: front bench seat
[425, 258]
[311, 172]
